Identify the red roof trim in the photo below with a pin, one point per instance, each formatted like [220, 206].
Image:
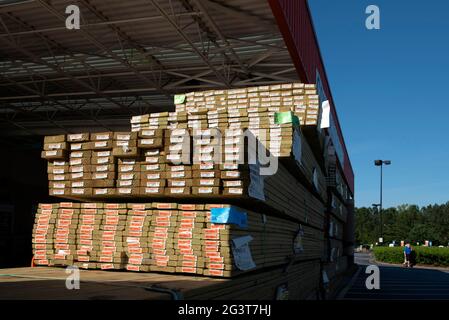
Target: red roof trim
[293, 7]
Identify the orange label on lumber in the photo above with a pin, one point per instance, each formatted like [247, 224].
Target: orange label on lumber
[106, 259]
[189, 214]
[130, 267]
[212, 254]
[164, 213]
[65, 216]
[163, 205]
[135, 233]
[163, 224]
[189, 258]
[184, 242]
[90, 205]
[211, 248]
[216, 273]
[187, 225]
[161, 263]
[158, 245]
[189, 264]
[187, 207]
[212, 236]
[136, 224]
[160, 235]
[216, 259]
[138, 206]
[111, 212]
[138, 218]
[109, 227]
[218, 226]
[112, 206]
[89, 211]
[139, 213]
[62, 246]
[83, 258]
[135, 250]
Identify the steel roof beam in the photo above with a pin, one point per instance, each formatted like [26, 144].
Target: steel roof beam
[216, 30]
[211, 36]
[96, 24]
[54, 67]
[240, 14]
[98, 44]
[75, 58]
[190, 42]
[128, 73]
[122, 35]
[38, 116]
[46, 97]
[274, 76]
[113, 74]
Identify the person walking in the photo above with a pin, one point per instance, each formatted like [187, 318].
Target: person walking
[407, 255]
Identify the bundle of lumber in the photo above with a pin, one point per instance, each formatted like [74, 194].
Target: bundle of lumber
[213, 240]
[245, 185]
[297, 282]
[300, 98]
[136, 168]
[153, 176]
[43, 231]
[337, 207]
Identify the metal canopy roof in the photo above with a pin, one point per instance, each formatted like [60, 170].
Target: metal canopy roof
[129, 57]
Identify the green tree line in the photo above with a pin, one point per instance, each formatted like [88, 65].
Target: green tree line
[405, 222]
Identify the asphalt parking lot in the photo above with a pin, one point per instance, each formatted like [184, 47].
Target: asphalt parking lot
[401, 283]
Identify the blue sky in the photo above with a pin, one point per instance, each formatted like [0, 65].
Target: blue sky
[390, 87]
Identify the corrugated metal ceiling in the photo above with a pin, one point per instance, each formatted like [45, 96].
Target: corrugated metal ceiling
[129, 57]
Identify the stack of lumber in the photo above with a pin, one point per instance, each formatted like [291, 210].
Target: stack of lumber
[65, 233]
[216, 147]
[165, 167]
[297, 282]
[43, 231]
[213, 239]
[300, 98]
[153, 177]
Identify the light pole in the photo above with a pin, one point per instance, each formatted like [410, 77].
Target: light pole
[376, 211]
[381, 163]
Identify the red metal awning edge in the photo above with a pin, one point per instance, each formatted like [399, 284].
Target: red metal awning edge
[295, 23]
